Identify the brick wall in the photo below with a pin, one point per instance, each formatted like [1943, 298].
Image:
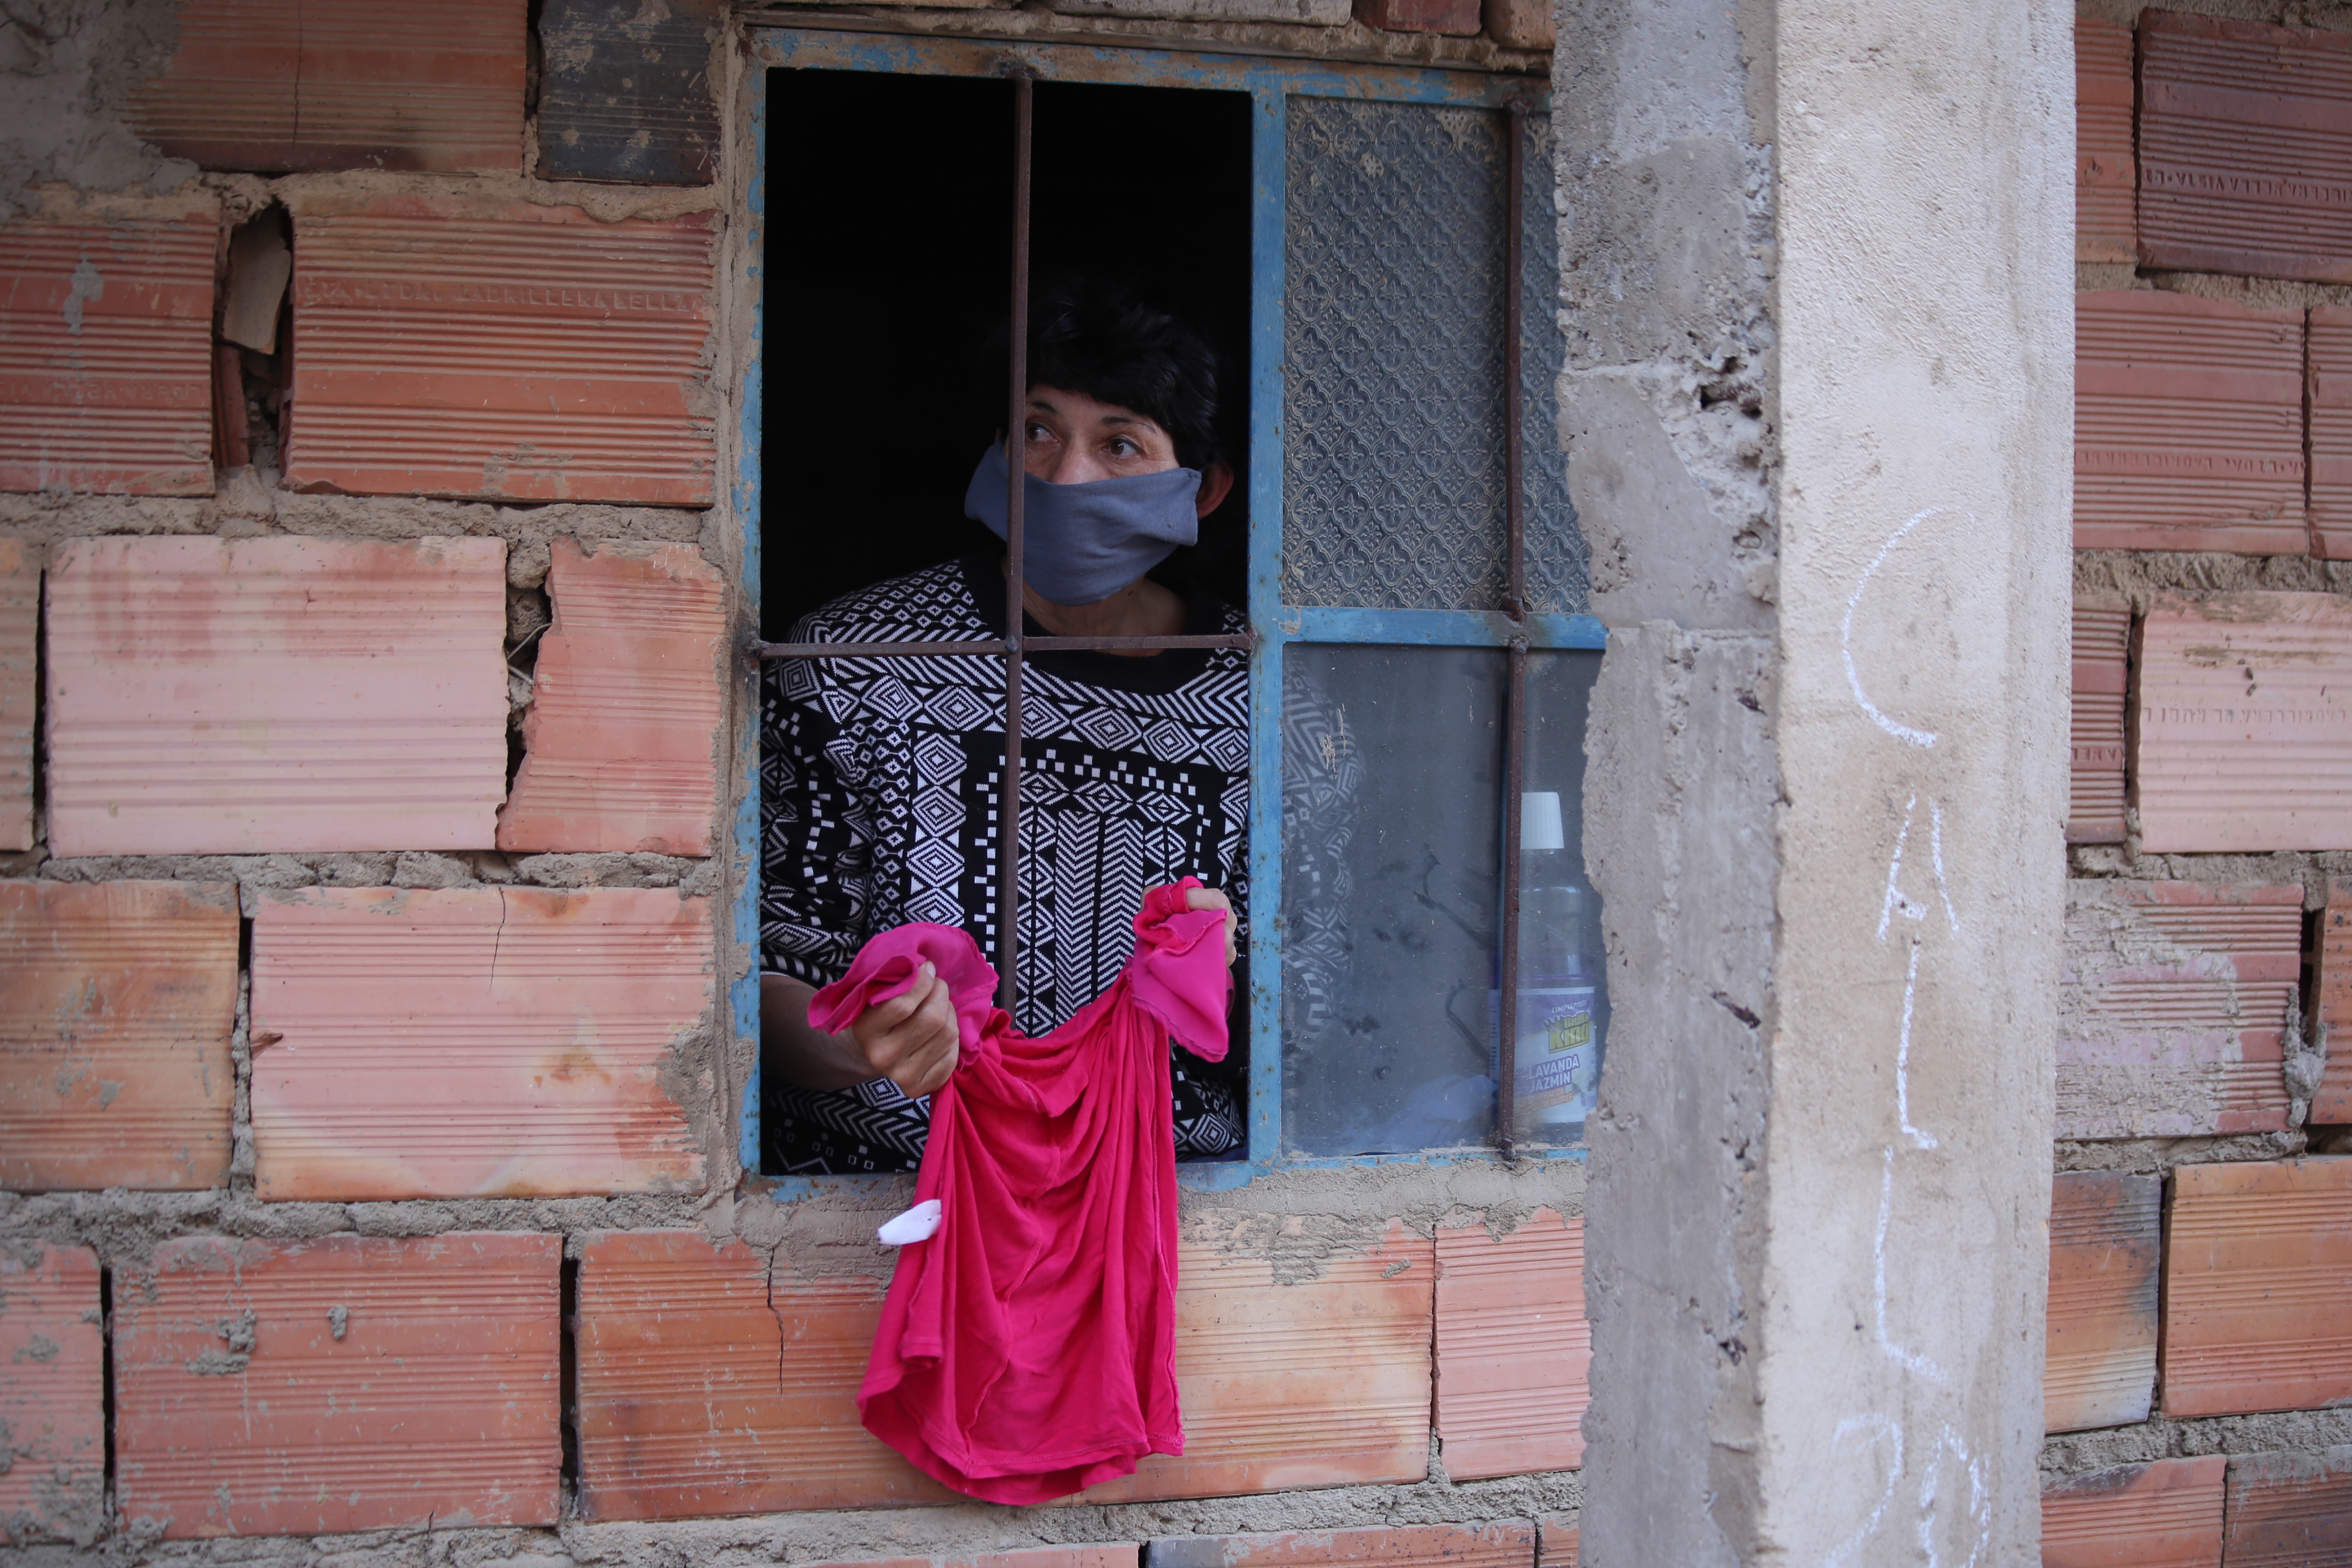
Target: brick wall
[368, 771]
[2200, 1357]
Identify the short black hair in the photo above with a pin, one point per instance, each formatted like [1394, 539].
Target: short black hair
[1116, 344]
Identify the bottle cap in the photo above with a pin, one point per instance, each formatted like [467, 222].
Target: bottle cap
[1539, 826]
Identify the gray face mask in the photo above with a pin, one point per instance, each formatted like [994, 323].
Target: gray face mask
[1082, 544]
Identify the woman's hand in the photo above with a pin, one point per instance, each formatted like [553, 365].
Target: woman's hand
[1210, 899]
[911, 1038]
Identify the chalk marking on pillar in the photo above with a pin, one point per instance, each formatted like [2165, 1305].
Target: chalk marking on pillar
[1897, 898]
[1910, 1360]
[1880, 1426]
[1903, 1057]
[1905, 733]
[1979, 1520]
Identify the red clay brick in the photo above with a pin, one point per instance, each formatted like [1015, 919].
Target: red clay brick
[52, 1394]
[623, 732]
[1458, 16]
[2257, 1264]
[2245, 148]
[116, 1000]
[2290, 1510]
[2244, 734]
[2187, 424]
[2105, 1245]
[1320, 1381]
[2332, 1105]
[1556, 1541]
[1514, 1351]
[510, 350]
[2173, 1004]
[1510, 1543]
[2094, 811]
[288, 694]
[315, 1387]
[2106, 177]
[106, 356]
[274, 85]
[690, 1402]
[20, 621]
[2166, 1514]
[2331, 432]
[473, 1041]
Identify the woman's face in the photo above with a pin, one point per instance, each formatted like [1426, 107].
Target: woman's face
[1068, 439]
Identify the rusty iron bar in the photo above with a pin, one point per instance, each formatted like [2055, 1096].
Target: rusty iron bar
[1008, 907]
[1515, 605]
[1515, 768]
[768, 652]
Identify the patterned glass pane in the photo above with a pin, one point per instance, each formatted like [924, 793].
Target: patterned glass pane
[1394, 461]
[1557, 566]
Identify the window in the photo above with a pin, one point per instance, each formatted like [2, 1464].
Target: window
[1353, 227]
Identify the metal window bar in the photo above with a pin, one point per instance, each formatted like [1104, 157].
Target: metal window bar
[1515, 605]
[1513, 626]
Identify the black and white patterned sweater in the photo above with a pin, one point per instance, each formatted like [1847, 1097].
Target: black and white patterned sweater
[880, 783]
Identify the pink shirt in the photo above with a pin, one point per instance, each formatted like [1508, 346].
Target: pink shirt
[1027, 1350]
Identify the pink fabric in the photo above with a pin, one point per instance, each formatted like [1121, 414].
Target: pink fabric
[1028, 1349]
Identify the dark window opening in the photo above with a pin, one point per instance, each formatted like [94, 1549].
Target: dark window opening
[888, 254]
[889, 215]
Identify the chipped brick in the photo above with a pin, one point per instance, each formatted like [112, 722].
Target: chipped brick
[1514, 1351]
[116, 1000]
[1320, 1381]
[473, 1041]
[2187, 424]
[273, 85]
[1556, 1535]
[697, 1397]
[2094, 808]
[508, 351]
[2258, 1259]
[2245, 148]
[1456, 16]
[351, 1382]
[2332, 1103]
[2166, 1514]
[626, 91]
[2103, 1247]
[20, 622]
[106, 354]
[2173, 1004]
[2107, 227]
[1509, 1543]
[281, 694]
[2290, 1510]
[2244, 734]
[623, 733]
[52, 1394]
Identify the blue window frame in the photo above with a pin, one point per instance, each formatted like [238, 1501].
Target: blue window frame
[1419, 616]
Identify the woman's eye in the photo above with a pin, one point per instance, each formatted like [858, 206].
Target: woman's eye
[1123, 447]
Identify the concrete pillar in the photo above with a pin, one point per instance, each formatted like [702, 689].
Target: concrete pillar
[1817, 276]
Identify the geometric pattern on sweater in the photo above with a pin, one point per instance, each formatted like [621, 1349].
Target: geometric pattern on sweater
[880, 784]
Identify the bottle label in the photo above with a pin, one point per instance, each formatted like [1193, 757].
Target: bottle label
[1556, 1059]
